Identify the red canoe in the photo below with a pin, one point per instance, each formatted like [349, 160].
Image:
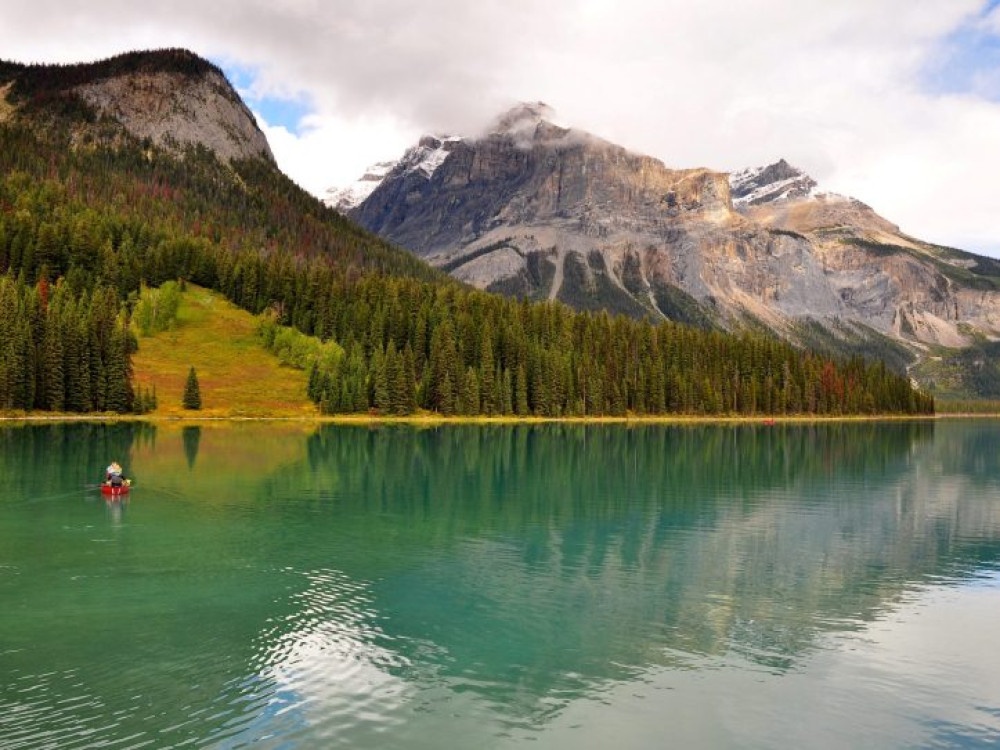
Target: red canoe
[122, 489]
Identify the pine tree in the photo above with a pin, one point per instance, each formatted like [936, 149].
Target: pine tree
[401, 383]
[192, 392]
[470, 394]
[55, 387]
[521, 392]
[116, 372]
[486, 376]
[447, 397]
[507, 403]
[382, 377]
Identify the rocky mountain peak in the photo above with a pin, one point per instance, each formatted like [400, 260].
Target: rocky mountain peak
[523, 118]
[172, 97]
[420, 162]
[525, 125]
[770, 183]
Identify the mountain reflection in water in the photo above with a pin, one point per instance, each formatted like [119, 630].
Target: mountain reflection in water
[482, 585]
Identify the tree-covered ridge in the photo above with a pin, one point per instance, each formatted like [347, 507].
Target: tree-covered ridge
[251, 205]
[92, 217]
[47, 79]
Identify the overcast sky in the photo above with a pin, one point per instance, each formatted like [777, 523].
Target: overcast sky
[896, 102]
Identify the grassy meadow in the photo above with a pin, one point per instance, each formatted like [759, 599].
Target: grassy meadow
[237, 377]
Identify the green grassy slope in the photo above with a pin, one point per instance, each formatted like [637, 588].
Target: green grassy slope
[236, 376]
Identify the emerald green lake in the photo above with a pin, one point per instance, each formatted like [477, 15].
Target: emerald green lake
[284, 585]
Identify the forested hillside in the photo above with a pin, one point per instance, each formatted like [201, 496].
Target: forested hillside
[88, 213]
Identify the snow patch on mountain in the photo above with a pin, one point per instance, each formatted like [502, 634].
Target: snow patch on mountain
[776, 191]
[768, 184]
[424, 159]
[430, 153]
[350, 197]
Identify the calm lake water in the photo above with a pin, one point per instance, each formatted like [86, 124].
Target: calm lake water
[475, 587]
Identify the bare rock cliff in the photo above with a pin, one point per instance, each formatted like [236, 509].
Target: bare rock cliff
[173, 109]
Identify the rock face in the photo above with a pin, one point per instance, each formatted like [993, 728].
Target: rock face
[171, 97]
[173, 110]
[534, 209]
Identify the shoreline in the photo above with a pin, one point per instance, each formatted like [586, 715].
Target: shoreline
[435, 420]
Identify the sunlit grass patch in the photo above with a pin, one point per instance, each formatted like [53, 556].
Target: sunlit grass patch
[237, 377]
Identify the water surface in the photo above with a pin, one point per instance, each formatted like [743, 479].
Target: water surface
[489, 586]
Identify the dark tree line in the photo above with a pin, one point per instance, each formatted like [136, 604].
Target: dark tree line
[34, 79]
[94, 223]
[453, 351]
[62, 349]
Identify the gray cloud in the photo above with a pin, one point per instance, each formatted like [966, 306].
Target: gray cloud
[432, 62]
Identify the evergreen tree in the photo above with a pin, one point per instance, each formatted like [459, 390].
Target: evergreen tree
[401, 385]
[192, 392]
[507, 393]
[469, 403]
[381, 398]
[116, 372]
[521, 393]
[55, 384]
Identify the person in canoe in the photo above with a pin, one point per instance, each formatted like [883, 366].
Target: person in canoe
[114, 482]
[113, 475]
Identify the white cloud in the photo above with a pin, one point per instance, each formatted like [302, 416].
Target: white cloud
[330, 151]
[832, 87]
